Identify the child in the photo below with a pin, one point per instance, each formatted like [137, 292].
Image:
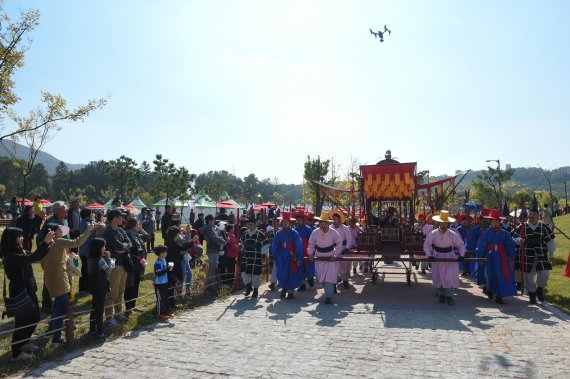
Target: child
[161, 283]
[100, 266]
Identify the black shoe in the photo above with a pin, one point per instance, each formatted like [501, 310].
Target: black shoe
[423, 271]
[283, 293]
[354, 270]
[334, 290]
[289, 296]
[442, 299]
[449, 300]
[311, 282]
[345, 284]
[272, 287]
[519, 286]
[540, 294]
[464, 274]
[248, 289]
[488, 292]
[302, 287]
[417, 267]
[532, 297]
[328, 300]
[254, 294]
[499, 300]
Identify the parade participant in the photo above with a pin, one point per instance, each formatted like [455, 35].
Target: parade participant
[354, 232]
[464, 230]
[308, 266]
[270, 233]
[539, 248]
[338, 224]
[326, 242]
[287, 250]
[471, 244]
[498, 247]
[424, 227]
[251, 262]
[390, 219]
[505, 224]
[444, 243]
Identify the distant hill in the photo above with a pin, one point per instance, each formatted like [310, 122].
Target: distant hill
[49, 161]
[533, 178]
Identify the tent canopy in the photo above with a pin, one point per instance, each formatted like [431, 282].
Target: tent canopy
[203, 203]
[137, 203]
[175, 202]
[95, 206]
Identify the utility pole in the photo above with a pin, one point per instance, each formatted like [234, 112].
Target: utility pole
[500, 192]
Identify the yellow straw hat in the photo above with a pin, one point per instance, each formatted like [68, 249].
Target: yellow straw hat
[443, 216]
[337, 212]
[324, 217]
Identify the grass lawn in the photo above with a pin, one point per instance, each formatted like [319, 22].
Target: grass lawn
[558, 290]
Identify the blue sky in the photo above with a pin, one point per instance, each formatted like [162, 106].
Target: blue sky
[256, 86]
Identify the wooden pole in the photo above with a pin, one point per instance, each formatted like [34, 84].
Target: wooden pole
[522, 245]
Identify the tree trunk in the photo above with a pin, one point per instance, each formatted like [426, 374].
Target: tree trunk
[24, 192]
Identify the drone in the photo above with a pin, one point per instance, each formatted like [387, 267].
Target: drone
[380, 34]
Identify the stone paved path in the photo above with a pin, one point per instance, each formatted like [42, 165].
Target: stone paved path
[387, 330]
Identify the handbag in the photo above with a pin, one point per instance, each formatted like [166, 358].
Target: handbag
[18, 305]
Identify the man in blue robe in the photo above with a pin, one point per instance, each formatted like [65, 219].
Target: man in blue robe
[499, 248]
[464, 230]
[287, 250]
[476, 270]
[308, 266]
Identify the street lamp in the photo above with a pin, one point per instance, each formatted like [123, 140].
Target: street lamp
[498, 180]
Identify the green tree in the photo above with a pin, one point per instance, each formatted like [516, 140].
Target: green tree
[490, 185]
[97, 176]
[278, 198]
[145, 178]
[316, 170]
[13, 45]
[168, 179]
[61, 182]
[124, 175]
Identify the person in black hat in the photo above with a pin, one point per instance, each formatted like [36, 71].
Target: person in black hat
[118, 243]
[539, 249]
[251, 262]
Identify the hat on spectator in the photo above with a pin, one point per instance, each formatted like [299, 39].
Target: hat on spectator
[111, 214]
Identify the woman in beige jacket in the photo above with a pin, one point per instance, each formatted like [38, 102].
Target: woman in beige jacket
[55, 276]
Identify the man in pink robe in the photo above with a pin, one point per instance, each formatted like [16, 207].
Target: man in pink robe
[444, 243]
[325, 242]
[347, 242]
[355, 231]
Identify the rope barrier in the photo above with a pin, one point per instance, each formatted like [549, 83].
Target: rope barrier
[79, 313]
